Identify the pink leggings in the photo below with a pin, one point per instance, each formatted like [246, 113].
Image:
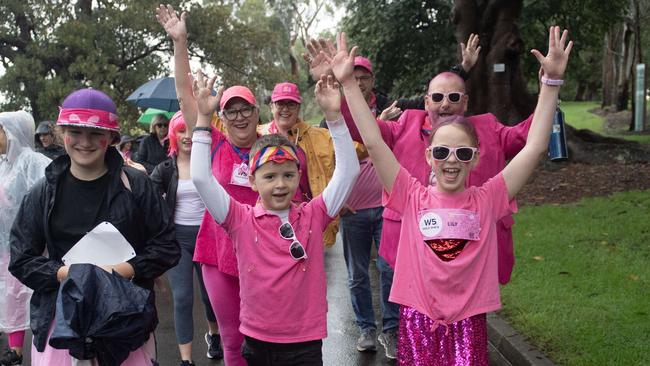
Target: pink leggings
[17, 339]
[223, 291]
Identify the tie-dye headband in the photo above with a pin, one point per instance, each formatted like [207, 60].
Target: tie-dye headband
[278, 154]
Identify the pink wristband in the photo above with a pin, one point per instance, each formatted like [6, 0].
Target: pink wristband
[552, 82]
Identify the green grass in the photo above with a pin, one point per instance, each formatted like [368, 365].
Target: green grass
[581, 286]
[576, 114]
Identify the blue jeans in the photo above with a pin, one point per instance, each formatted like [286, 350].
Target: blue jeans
[358, 232]
[181, 280]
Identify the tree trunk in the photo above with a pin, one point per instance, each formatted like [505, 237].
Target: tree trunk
[638, 54]
[610, 60]
[502, 93]
[625, 70]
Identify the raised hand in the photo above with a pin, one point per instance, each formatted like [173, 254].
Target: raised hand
[343, 62]
[328, 97]
[470, 52]
[554, 63]
[202, 90]
[173, 24]
[391, 113]
[316, 57]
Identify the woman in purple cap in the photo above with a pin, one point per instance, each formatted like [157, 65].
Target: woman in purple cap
[89, 186]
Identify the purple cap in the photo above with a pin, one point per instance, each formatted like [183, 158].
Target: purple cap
[237, 91]
[361, 61]
[89, 99]
[286, 91]
[89, 108]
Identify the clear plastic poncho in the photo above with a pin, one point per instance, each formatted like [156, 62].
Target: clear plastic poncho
[20, 168]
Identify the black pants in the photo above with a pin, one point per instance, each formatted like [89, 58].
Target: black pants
[260, 353]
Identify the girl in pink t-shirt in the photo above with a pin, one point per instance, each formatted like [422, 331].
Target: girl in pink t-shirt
[446, 270]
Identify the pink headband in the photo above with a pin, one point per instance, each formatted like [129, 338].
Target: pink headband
[278, 154]
[85, 117]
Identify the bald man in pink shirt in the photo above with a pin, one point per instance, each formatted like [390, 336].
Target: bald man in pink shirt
[409, 138]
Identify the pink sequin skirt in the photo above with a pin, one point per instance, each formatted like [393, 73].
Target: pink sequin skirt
[462, 343]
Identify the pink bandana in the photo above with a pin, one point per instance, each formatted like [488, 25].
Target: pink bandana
[84, 117]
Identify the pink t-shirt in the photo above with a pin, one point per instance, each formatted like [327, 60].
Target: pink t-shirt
[366, 192]
[282, 300]
[465, 286]
[408, 138]
[213, 246]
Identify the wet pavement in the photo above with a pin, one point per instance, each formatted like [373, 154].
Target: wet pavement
[339, 348]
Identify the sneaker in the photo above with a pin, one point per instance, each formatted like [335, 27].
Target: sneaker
[214, 346]
[11, 358]
[187, 363]
[366, 341]
[388, 339]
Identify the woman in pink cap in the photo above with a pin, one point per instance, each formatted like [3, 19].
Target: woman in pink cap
[230, 166]
[315, 147]
[89, 186]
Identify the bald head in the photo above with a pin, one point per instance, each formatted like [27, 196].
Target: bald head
[449, 85]
[448, 78]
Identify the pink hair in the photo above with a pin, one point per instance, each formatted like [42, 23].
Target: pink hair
[176, 124]
[448, 75]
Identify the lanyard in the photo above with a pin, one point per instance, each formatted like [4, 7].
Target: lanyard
[242, 155]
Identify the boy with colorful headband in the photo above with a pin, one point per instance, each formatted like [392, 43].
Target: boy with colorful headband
[279, 245]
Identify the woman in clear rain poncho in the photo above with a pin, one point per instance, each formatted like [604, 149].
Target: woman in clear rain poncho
[20, 168]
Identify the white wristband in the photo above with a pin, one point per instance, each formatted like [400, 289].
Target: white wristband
[552, 82]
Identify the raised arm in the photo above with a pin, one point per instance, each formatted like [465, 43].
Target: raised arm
[215, 197]
[554, 64]
[316, 57]
[346, 164]
[385, 162]
[176, 29]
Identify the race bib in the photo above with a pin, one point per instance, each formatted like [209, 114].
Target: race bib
[449, 224]
[240, 175]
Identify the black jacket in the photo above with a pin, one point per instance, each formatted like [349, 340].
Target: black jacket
[139, 214]
[151, 153]
[53, 151]
[165, 177]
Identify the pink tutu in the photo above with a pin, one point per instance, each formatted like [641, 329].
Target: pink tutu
[143, 356]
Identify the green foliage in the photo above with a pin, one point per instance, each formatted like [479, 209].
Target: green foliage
[242, 43]
[587, 22]
[52, 48]
[579, 289]
[408, 41]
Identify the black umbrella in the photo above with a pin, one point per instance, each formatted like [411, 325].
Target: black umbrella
[156, 93]
[102, 315]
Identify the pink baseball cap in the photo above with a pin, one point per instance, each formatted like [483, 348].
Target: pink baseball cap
[286, 91]
[237, 91]
[89, 108]
[361, 61]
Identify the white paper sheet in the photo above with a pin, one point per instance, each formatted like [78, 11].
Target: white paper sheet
[103, 245]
